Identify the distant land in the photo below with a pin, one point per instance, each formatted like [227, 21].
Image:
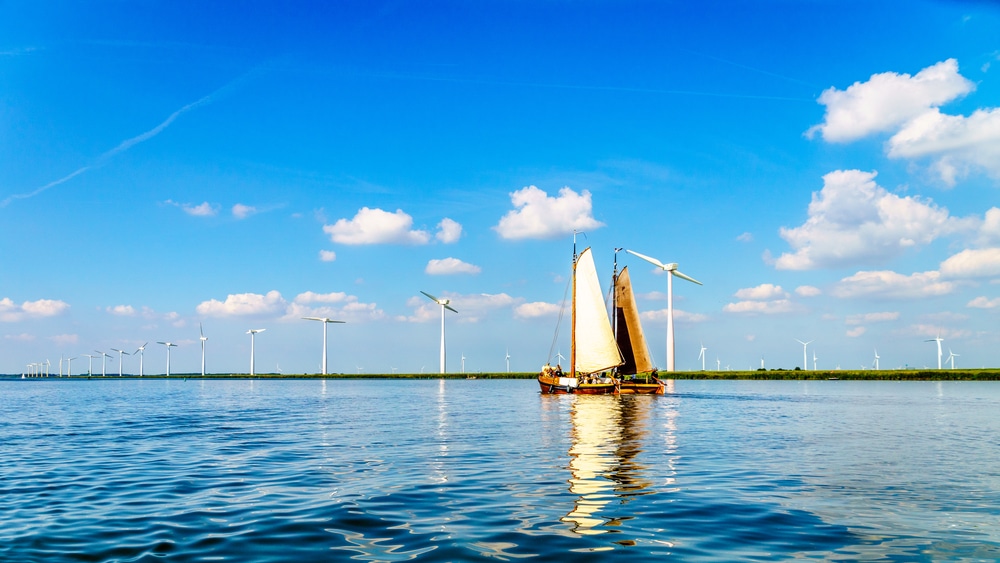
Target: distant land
[984, 374]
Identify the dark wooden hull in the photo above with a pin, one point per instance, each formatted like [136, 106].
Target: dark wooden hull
[552, 386]
[641, 388]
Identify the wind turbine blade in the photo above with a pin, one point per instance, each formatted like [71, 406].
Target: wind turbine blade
[682, 276]
[449, 307]
[431, 297]
[201, 330]
[314, 319]
[652, 261]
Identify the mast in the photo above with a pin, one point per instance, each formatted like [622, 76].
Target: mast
[572, 332]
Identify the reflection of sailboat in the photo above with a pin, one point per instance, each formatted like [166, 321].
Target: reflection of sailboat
[592, 343]
[637, 374]
[606, 440]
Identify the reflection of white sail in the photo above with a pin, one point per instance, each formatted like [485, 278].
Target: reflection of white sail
[596, 349]
[592, 459]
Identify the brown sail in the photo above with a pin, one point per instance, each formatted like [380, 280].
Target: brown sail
[631, 341]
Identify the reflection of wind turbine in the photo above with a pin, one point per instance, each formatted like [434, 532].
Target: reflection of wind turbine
[937, 339]
[121, 355]
[325, 322]
[444, 303]
[253, 332]
[875, 363]
[203, 339]
[805, 358]
[141, 350]
[671, 269]
[701, 356]
[951, 358]
[168, 345]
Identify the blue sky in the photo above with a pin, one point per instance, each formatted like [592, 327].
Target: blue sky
[828, 170]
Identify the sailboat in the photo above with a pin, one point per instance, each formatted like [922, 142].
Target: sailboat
[636, 375]
[593, 349]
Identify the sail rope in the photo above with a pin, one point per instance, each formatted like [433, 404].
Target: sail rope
[562, 312]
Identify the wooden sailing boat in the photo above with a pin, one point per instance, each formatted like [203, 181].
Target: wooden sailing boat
[636, 375]
[593, 349]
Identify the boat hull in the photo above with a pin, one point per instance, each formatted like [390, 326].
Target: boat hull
[640, 388]
[551, 385]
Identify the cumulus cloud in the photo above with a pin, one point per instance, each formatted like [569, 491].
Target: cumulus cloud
[856, 331]
[335, 305]
[955, 144]
[891, 285]
[989, 230]
[11, 312]
[984, 303]
[241, 211]
[972, 263]
[853, 220]
[310, 297]
[375, 226]
[680, 316]
[243, 304]
[471, 308]
[204, 209]
[866, 318]
[539, 216]
[121, 310]
[808, 291]
[888, 100]
[327, 255]
[448, 266]
[774, 307]
[449, 231]
[536, 309]
[763, 291]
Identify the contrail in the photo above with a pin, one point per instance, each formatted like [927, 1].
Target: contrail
[127, 144]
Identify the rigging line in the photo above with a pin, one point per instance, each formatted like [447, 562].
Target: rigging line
[562, 312]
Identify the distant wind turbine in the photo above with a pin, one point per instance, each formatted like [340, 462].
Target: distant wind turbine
[718, 364]
[325, 322]
[814, 360]
[805, 357]
[671, 269]
[168, 345]
[121, 354]
[444, 303]
[104, 363]
[253, 332]
[875, 363]
[937, 339]
[507, 358]
[951, 358]
[463, 363]
[203, 339]
[69, 366]
[560, 357]
[90, 364]
[141, 350]
[701, 356]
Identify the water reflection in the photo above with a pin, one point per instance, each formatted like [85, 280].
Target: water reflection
[607, 438]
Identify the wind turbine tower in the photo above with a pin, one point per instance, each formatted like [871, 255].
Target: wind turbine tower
[325, 322]
[951, 358]
[507, 358]
[69, 366]
[672, 271]
[104, 362]
[203, 340]
[805, 357]
[121, 355]
[701, 356]
[169, 345]
[141, 350]
[937, 339]
[253, 332]
[875, 363]
[444, 303]
[90, 364]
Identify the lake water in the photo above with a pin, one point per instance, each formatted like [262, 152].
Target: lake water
[312, 470]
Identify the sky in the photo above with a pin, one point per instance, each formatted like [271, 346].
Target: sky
[830, 172]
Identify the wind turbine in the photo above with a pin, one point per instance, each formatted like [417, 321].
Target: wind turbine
[875, 363]
[937, 339]
[104, 362]
[463, 363]
[718, 364]
[69, 366]
[560, 357]
[141, 350]
[444, 303]
[121, 355]
[951, 358]
[253, 332]
[814, 360]
[203, 339]
[507, 358]
[168, 345]
[701, 356]
[325, 322]
[671, 269]
[90, 364]
[805, 358]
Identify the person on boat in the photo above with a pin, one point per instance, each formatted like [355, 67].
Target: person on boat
[547, 370]
[559, 371]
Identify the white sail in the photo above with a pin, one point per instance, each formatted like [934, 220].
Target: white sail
[596, 349]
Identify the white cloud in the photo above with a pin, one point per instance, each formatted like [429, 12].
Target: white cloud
[471, 308]
[989, 231]
[449, 231]
[243, 304]
[536, 309]
[808, 291]
[334, 305]
[121, 310]
[775, 307]
[327, 255]
[201, 210]
[309, 297]
[448, 266]
[888, 100]
[984, 303]
[375, 226]
[745, 237]
[23, 337]
[536, 215]
[872, 318]
[956, 144]
[891, 285]
[241, 211]
[763, 291]
[11, 312]
[856, 332]
[972, 264]
[680, 316]
[853, 220]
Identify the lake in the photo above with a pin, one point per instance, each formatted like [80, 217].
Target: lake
[457, 470]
